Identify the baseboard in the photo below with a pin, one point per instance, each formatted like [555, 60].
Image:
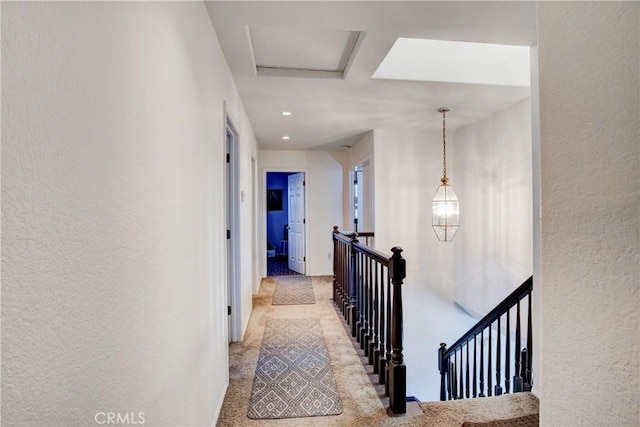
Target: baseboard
[216, 414]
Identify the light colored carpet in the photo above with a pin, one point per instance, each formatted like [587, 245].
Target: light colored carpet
[362, 406]
[532, 420]
[292, 290]
[505, 407]
[294, 376]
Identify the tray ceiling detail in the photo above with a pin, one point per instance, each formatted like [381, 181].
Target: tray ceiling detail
[298, 52]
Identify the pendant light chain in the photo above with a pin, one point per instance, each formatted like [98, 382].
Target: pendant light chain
[444, 145]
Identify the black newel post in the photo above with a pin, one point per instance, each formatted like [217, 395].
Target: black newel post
[335, 263]
[397, 368]
[353, 277]
[443, 367]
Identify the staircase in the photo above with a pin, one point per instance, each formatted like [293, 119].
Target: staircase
[462, 366]
[367, 291]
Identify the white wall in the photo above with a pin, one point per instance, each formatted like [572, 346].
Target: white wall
[113, 212]
[490, 168]
[323, 198]
[248, 187]
[494, 247]
[590, 269]
[408, 168]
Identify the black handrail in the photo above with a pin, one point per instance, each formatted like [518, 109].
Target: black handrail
[452, 385]
[367, 288]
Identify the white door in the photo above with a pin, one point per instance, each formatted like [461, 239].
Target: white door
[296, 223]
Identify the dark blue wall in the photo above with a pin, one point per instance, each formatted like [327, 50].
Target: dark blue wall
[276, 220]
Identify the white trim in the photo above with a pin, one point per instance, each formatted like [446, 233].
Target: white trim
[232, 220]
[263, 214]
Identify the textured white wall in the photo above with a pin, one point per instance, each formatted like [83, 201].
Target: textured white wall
[323, 198]
[494, 247]
[589, 121]
[408, 168]
[113, 212]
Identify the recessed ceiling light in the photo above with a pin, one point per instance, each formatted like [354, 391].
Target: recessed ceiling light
[285, 137]
[286, 113]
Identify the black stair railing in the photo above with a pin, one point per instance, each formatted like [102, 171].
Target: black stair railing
[367, 289]
[462, 365]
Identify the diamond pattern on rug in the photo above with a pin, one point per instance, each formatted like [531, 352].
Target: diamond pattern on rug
[294, 377]
[293, 290]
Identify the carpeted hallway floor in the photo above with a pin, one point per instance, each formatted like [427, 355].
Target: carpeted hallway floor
[361, 403]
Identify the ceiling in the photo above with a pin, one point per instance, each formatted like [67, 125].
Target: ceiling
[316, 59]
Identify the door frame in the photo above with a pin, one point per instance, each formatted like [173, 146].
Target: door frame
[232, 223]
[263, 213]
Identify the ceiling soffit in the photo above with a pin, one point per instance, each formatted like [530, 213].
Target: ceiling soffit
[298, 52]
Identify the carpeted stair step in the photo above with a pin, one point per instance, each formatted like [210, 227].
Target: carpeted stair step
[518, 409]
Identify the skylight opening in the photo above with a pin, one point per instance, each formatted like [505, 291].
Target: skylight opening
[456, 62]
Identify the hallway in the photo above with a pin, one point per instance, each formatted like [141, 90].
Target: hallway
[360, 400]
[362, 407]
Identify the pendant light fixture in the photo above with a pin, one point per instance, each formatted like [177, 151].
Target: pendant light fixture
[445, 205]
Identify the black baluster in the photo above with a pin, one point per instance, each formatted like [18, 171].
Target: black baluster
[335, 265]
[376, 322]
[507, 363]
[489, 379]
[347, 296]
[475, 362]
[529, 381]
[365, 305]
[382, 362]
[363, 324]
[360, 298]
[388, 329]
[523, 365]
[343, 261]
[461, 388]
[452, 374]
[455, 375]
[481, 364]
[354, 288]
[370, 341]
[348, 279]
[517, 379]
[467, 373]
[498, 388]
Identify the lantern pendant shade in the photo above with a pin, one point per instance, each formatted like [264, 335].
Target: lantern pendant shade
[446, 213]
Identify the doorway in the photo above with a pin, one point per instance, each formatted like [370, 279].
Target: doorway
[285, 223]
[361, 198]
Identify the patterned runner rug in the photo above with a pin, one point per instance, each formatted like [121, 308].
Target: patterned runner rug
[294, 377]
[293, 290]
